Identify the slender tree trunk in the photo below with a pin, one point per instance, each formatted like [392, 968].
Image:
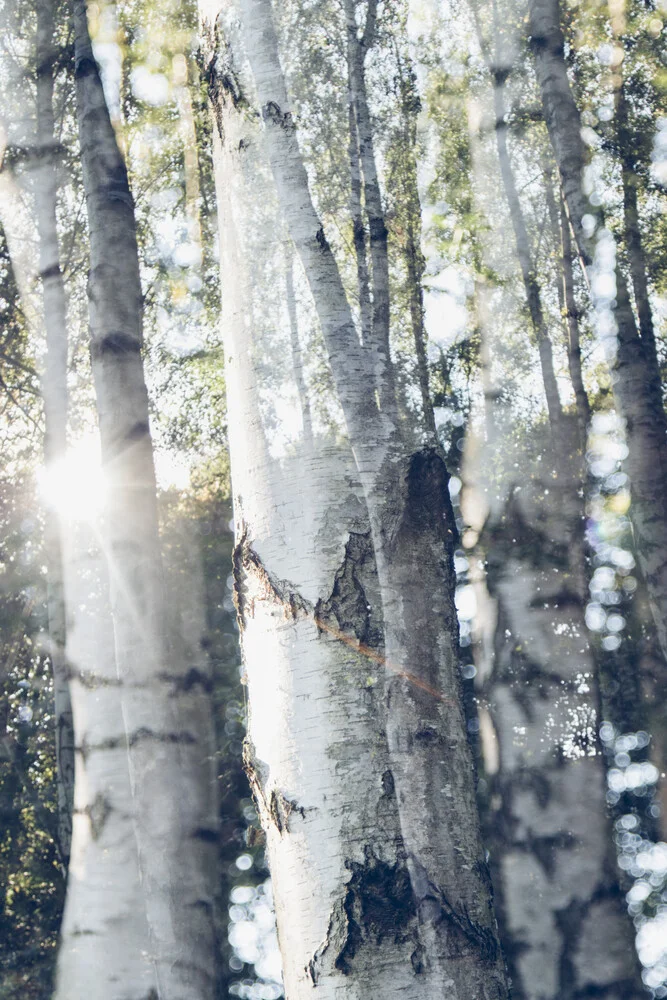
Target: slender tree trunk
[54, 392]
[632, 228]
[358, 228]
[368, 797]
[524, 253]
[357, 49]
[635, 377]
[164, 690]
[414, 258]
[568, 306]
[572, 319]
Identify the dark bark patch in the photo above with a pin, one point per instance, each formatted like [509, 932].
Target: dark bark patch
[90, 680]
[50, 272]
[98, 812]
[138, 431]
[117, 343]
[206, 834]
[378, 905]
[149, 735]
[273, 114]
[349, 608]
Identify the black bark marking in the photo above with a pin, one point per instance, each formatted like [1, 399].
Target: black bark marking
[50, 272]
[90, 680]
[273, 114]
[388, 787]
[206, 834]
[98, 812]
[116, 342]
[222, 84]
[349, 605]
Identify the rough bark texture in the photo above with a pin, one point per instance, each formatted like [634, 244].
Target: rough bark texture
[165, 707]
[357, 750]
[54, 393]
[564, 924]
[635, 377]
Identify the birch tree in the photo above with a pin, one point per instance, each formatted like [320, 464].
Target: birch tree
[148, 758]
[357, 750]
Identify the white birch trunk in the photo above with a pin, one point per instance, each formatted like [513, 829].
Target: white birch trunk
[105, 949]
[357, 754]
[163, 689]
[54, 393]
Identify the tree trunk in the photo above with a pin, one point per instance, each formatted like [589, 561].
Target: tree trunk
[499, 74]
[357, 745]
[105, 943]
[358, 227]
[564, 924]
[414, 258]
[635, 377]
[377, 229]
[552, 863]
[43, 181]
[163, 688]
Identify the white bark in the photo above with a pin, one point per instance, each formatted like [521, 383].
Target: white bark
[163, 687]
[357, 754]
[105, 949]
[54, 392]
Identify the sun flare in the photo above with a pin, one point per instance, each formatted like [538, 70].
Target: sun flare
[75, 485]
